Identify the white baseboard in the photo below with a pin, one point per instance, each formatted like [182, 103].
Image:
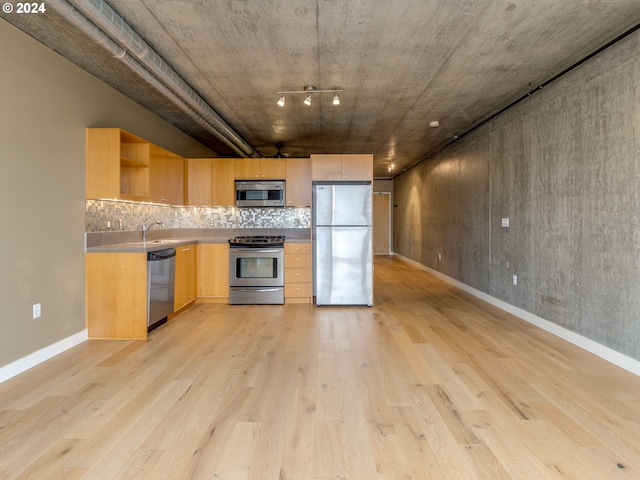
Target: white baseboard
[606, 353]
[35, 358]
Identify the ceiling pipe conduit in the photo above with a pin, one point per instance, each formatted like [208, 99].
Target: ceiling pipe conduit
[102, 15]
[94, 18]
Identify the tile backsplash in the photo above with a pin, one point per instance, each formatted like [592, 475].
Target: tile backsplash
[113, 215]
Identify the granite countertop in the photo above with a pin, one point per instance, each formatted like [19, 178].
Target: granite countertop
[172, 238]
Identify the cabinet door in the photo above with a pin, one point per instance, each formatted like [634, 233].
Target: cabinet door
[223, 188]
[326, 167]
[166, 177]
[213, 270]
[198, 181]
[298, 182]
[174, 183]
[357, 167]
[272, 168]
[185, 286]
[116, 291]
[247, 168]
[103, 163]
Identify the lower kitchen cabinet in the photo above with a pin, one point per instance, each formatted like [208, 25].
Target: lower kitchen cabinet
[116, 295]
[297, 272]
[213, 272]
[186, 268]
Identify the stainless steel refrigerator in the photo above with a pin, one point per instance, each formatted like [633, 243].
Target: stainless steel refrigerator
[342, 244]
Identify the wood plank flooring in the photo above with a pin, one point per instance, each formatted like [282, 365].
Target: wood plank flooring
[430, 383]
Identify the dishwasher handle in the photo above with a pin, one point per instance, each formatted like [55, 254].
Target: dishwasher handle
[160, 255]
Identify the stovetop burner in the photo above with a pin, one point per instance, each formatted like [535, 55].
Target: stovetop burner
[257, 241]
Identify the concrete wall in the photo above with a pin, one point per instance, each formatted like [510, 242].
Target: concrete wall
[47, 103]
[564, 167]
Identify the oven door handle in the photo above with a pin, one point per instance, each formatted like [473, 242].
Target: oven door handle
[254, 289]
[256, 250]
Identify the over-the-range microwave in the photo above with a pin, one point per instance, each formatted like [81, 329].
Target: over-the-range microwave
[266, 193]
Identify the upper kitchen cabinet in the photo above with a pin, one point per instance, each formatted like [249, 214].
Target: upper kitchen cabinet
[260, 169]
[357, 167]
[298, 182]
[166, 176]
[342, 168]
[198, 181]
[210, 182]
[117, 165]
[223, 189]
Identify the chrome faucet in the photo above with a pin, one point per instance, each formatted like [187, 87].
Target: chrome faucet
[146, 228]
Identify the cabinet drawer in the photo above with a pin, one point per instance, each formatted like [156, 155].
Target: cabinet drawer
[297, 248]
[297, 275]
[297, 290]
[297, 261]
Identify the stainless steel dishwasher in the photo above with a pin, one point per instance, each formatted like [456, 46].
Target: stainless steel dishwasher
[161, 273]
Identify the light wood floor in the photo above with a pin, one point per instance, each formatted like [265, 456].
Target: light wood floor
[430, 383]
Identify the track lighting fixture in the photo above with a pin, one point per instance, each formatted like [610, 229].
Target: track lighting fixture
[309, 90]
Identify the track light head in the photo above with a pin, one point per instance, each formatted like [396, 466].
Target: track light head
[336, 99]
[281, 101]
[307, 101]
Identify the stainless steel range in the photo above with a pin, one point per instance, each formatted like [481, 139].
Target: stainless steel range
[256, 270]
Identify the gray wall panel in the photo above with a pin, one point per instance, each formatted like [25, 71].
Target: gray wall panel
[564, 166]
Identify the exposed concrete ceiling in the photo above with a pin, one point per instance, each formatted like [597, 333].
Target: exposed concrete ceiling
[401, 64]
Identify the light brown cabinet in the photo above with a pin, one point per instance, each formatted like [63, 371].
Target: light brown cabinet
[166, 176]
[260, 168]
[186, 275]
[117, 165]
[297, 272]
[298, 182]
[116, 295]
[342, 167]
[213, 272]
[210, 182]
[223, 188]
[198, 181]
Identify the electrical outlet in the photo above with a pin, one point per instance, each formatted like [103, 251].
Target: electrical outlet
[505, 222]
[515, 279]
[37, 311]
